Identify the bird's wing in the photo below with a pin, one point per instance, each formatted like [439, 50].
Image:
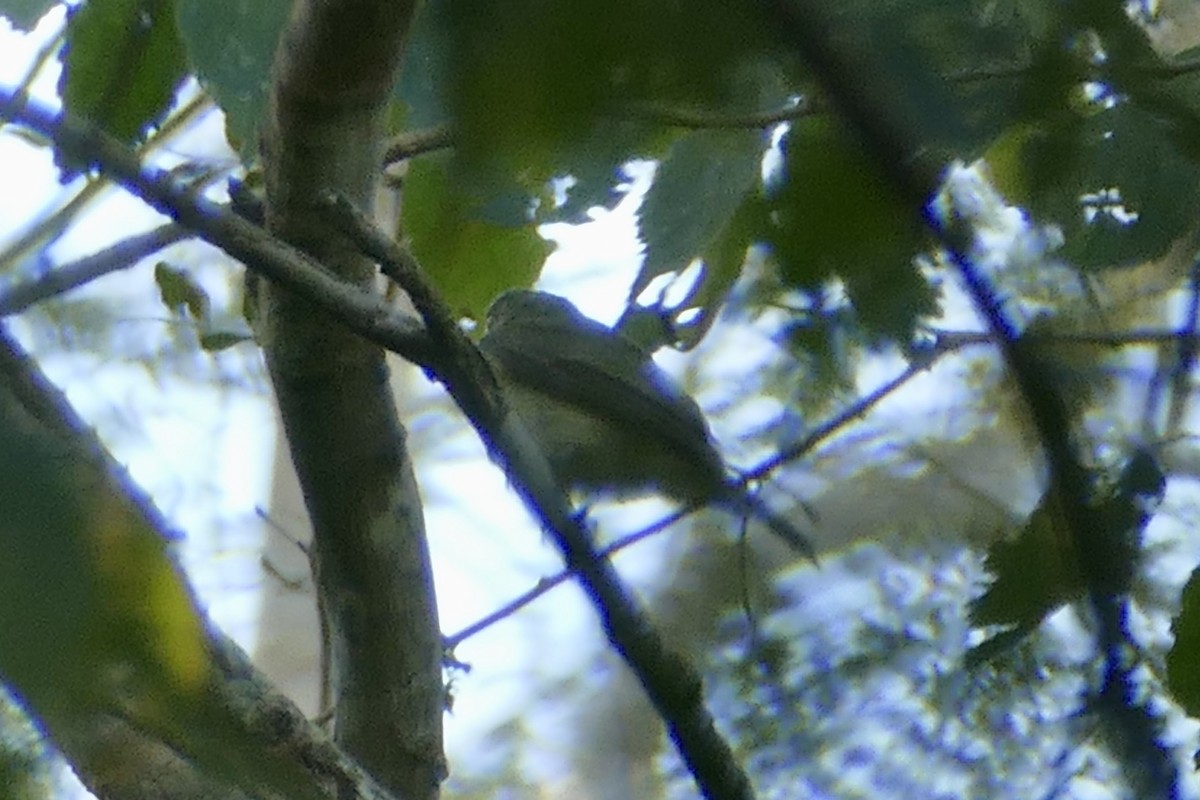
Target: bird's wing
[630, 390]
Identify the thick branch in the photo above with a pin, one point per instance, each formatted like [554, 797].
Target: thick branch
[113, 753]
[332, 81]
[671, 683]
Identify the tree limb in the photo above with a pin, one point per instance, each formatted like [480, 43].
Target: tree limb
[111, 752]
[332, 79]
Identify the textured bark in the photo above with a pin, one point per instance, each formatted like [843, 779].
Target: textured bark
[334, 73]
[234, 736]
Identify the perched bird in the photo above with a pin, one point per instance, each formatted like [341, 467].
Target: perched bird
[606, 417]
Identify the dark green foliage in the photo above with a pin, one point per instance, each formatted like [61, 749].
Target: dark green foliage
[1183, 676]
[834, 215]
[123, 62]
[531, 77]
[473, 247]
[230, 46]
[1043, 568]
[701, 181]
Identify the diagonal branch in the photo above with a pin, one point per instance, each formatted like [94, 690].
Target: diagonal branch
[122, 255]
[857, 86]
[366, 314]
[91, 737]
[672, 684]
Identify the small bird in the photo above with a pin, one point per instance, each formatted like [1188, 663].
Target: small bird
[607, 419]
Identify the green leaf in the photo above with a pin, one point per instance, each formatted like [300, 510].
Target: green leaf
[1126, 149]
[85, 587]
[1041, 569]
[24, 14]
[422, 87]
[470, 257]
[722, 266]
[1035, 572]
[699, 185]
[529, 78]
[96, 619]
[1183, 677]
[230, 47]
[122, 64]
[595, 164]
[178, 290]
[834, 215]
[216, 341]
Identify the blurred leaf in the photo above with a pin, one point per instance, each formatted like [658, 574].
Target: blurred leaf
[1104, 148]
[700, 183]
[230, 46]
[1035, 573]
[95, 618]
[1139, 191]
[24, 14]
[46, 583]
[1041, 570]
[1183, 676]
[216, 341]
[977, 53]
[424, 70]
[906, 81]
[91, 608]
[834, 215]
[722, 266]
[594, 164]
[122, 63]
[822, 340]
[470, 258]
[531, 77]
[179, 290]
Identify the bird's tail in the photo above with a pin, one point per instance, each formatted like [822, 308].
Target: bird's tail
[750, 504]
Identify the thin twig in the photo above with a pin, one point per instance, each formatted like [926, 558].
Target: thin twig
[366, 314]
[858, 410]
[60, 280]
[704, 120]
[52, 226]
[410, 144]
[819, 434]
[544, 585]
